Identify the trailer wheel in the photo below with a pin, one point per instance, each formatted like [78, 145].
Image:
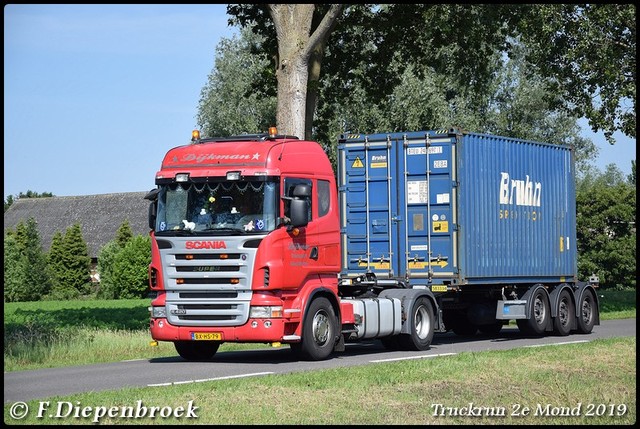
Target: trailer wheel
[565, 314]
[318, 332]
[196, 350]
[587, 315]
[422, 326]
[539, 315]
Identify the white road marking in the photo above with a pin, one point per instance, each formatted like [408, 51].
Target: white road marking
[559, 344]
[209, 379]
[413, 357]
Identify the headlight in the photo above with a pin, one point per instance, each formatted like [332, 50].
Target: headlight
[158, 312]
[266, 312]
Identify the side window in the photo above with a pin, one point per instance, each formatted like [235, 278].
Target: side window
[324, 197]
[289, 184]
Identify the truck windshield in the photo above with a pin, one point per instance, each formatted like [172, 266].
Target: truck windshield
[231, 206]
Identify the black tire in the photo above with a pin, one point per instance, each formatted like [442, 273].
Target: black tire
[539, 315]
[587, 309]
[196, 350]
[565, 314]
[422, 326]
[319, 331]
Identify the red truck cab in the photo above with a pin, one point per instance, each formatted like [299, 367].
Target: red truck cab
[245, 246]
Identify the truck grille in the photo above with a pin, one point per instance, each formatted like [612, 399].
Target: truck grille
[207, 288]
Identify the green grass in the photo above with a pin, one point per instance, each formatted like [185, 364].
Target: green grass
[49, 334]
[597, 377]
[617, 304]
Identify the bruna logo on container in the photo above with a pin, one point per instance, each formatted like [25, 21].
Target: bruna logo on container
[519, 192]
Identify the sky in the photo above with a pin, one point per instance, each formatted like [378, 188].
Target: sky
[95, 94]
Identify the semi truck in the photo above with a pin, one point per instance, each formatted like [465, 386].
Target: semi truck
[255, 239]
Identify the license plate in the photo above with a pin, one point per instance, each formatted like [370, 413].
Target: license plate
[438, 288]
[206, 336]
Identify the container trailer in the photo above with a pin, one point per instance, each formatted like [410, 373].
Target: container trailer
[256, 240]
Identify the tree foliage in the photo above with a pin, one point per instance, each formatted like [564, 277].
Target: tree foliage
[56, 258]
[26, 276]
[124, 233]
[589, 50]
[606, 234]
[29, 194]
[123, 265]
[76, 261]
[108, 288]
[511, 103]
[15, 268]
[230, 103]
[586, 52]
[130, 268]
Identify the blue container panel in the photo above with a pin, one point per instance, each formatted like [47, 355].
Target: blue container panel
[516, 209]
[428, 203]
[466, 208]
[367, 220]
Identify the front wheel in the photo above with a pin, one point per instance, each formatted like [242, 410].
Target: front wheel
[422, 326]
[319, 331]
[196, 350]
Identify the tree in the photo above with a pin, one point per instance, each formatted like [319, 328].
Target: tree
[106, 258]
[299, 39]
[76, 261]
[230, 102]
[589, 50]
[30, 280]
[371, 37]
[56, 265]
[130, 268]
[510, 103]
[15, 265]
[606, 234]
[123, 265]
[29, 194]
[124, 233]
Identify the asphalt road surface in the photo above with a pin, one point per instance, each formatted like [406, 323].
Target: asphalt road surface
[159, 372]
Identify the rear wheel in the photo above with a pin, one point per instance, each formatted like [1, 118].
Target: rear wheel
[565, 314]
[319, 331]
[588, 311]
[538, 316]
[196, 350]
[422, 326]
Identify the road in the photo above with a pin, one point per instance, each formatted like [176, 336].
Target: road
[158, 372]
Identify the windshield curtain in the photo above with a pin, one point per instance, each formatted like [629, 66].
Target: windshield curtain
[243, 206]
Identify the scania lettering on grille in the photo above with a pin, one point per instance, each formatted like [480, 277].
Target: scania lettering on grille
[205, 245]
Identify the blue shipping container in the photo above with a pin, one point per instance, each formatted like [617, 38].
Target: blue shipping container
[457, 208]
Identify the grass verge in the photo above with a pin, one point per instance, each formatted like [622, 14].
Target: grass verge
[48, 334]
[588, 383]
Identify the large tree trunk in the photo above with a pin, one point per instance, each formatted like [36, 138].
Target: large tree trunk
[295, 46]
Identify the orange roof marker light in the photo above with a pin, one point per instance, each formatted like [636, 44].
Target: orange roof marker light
[195, 135]
[273, 131]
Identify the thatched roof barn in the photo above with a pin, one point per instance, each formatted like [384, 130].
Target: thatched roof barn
[99, 216]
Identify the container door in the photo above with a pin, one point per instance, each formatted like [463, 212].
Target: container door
[369, 232]
[427, 205]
